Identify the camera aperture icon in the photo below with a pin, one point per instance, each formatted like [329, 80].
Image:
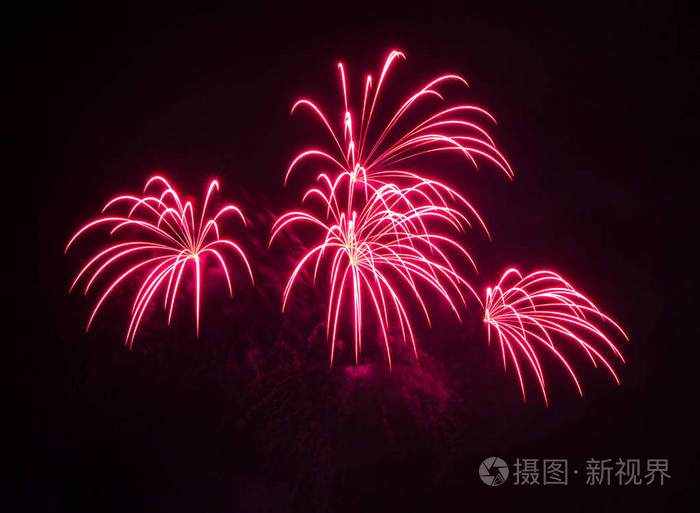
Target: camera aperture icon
[493, 471]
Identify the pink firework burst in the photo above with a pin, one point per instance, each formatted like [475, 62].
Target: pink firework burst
[453, 128]
[542, 310]
[378, 231]
[377, 245]
[161, 238]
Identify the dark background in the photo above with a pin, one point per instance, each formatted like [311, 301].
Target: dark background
[597, 116]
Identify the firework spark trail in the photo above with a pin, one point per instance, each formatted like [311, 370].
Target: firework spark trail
[450, 128]
[372, 246]
[168, 239]
[539, 309]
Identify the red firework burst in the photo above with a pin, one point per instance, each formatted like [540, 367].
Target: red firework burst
[450, 128]
[377, 244]
[541, 308]
[161, 239]
[381, 233]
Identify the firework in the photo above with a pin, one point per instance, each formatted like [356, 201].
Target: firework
[161, 239]
[376, 217]
[377, 245]
[450, 128]
[542, 310]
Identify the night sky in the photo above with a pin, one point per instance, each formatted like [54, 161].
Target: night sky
[596, 114]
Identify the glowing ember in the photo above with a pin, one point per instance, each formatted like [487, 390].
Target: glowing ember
[160, 239]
